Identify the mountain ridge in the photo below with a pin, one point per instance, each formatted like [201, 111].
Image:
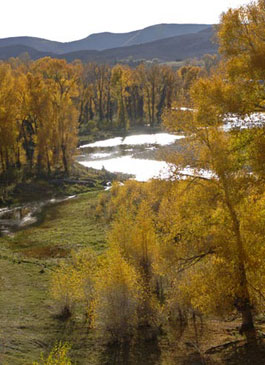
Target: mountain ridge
[174, 48]
[105, 40]
[168, 49]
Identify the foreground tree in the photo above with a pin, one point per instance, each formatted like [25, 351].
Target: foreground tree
[236, 88]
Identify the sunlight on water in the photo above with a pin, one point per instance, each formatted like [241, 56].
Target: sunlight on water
[161, 139]
[143, 170]
[100, 155]
[251, 121]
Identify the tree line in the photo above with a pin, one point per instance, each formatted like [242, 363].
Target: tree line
[45, 104]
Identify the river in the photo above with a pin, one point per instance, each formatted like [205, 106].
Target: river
[136, 155]
[140, 155]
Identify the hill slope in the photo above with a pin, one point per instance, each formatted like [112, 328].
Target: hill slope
[18, 50]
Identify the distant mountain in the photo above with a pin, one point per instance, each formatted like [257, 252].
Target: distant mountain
[102, 41]
[167, 49]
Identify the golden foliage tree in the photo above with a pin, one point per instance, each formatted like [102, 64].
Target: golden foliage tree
[236, 88]
[72, 284]
[117, 297]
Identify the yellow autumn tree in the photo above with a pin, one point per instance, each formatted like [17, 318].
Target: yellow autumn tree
[61, 80]
[233, 93]
[73, 284]
[120, 81]
[150, 79]
[117, 298]
[9, 130]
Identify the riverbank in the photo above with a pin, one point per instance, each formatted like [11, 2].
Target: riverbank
[57, 185]
[27, 323]
[25, 202]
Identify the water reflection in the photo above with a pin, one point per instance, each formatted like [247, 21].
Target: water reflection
[161, 139]
[142, 169]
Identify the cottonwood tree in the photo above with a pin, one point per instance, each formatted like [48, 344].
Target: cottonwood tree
[9, 131]
[230, 156]
[117, 297]
[120, 83]
[150, 79]
[61, 80]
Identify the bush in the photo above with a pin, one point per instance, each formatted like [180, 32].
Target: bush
[73, 282]
[57, 356]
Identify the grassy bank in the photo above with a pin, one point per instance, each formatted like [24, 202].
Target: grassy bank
[27, 324]
[36, 188]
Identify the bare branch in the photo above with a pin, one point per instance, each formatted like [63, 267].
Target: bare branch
[191, 261]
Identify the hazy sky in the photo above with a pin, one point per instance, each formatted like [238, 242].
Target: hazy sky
[67, 20]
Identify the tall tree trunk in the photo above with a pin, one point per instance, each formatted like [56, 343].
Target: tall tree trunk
[2, 161]
[153, 106]
[18, 163]
[7, 159]
[65, 162]
[243, 303]
[108, 115]
[100, 106]
[48, 162]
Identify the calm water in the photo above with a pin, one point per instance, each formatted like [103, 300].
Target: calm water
[134, 155]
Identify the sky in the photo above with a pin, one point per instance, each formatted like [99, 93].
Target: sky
[68, 20]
